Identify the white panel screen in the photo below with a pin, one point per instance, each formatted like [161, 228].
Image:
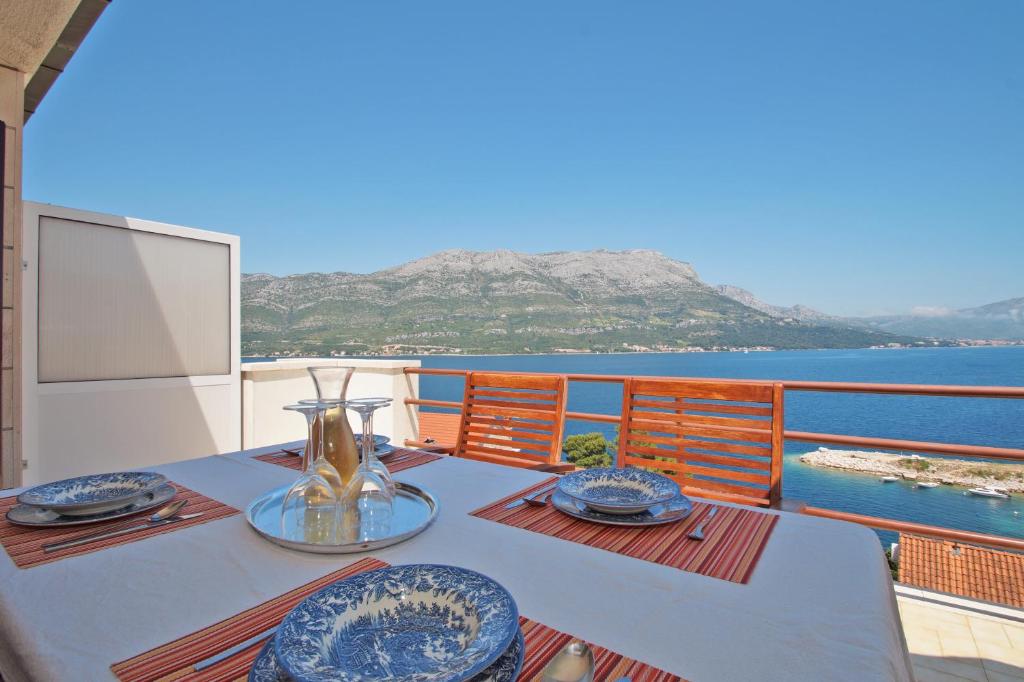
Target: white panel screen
[116, 303]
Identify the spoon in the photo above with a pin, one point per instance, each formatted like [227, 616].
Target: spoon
[159, 518]
[574, 663]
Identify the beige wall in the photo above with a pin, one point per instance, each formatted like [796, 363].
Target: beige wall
[268, 386]
[12, 86]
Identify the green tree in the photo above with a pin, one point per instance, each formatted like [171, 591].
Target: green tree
[588, 450]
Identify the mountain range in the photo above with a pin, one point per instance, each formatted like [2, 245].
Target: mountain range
[509, 302]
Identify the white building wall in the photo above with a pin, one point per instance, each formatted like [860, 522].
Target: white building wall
[268, 386]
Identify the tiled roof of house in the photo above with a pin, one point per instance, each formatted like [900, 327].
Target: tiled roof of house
[966, 570]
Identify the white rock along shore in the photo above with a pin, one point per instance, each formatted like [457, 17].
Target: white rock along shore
[962, 472]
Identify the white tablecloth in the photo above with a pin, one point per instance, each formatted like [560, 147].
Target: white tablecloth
[820, 604]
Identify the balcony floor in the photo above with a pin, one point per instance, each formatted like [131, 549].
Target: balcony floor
[951, 644]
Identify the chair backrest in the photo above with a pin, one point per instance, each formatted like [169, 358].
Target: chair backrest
[514, 419]
[717, 439]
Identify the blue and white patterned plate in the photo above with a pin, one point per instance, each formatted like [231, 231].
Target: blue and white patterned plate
[24, 515]
[93, 494]
[416, 623]
[618, 491]
[505, 669]
[669, 512]
[378, 440]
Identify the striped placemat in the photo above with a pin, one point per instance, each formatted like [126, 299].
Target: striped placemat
[397, 460]
[25, 545]
[176, 661]
[733, 539]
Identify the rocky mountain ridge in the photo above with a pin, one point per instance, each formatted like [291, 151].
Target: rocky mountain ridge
[505, 301]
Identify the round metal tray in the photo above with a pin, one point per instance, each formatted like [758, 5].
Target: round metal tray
[414, 510]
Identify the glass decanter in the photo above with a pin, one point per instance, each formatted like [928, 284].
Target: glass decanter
[339, 443]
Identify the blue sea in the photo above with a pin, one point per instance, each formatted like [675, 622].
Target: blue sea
[978, 421]
[975, 421]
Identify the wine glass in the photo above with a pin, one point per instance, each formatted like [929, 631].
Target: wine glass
[377, 494]
[365, 407]
[310, 510]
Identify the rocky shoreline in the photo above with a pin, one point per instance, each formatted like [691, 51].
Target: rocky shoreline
[960, 472]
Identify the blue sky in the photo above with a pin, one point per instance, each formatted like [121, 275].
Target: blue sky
[858, 157]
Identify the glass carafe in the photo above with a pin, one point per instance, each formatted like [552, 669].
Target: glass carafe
[339, 442]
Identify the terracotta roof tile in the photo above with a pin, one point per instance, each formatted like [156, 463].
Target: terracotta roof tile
[966, 570]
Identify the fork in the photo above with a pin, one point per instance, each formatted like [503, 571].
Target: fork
[698, 532]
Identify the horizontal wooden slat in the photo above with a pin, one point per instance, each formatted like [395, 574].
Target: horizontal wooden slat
[682, 407]
[746, 476]
[725, 497]
[545, 396]
[473, 448]
[534, 381]
[683, 464]
[523, 463]
[474, 430]
[518, 445]
[705, 390]
[488, 421]
[762, 464]
[539, 415]
[728, 408]
[689, 444]
[750, 435]
[514, 407]
[693, 443]
[724, 422]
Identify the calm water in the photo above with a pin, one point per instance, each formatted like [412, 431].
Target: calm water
[952, 420]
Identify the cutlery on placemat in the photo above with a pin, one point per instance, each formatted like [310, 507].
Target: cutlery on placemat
[532, 496]
[698, 532]
[539, 500]
[161, 518]
[228, 653]
[297, 453]
[574, 663]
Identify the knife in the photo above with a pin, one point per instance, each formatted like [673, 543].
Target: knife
[53, 547]
[228, 653]
[534, 495]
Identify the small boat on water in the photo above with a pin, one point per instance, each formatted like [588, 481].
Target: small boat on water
[927, 484]
[989, 491]
[890, 479]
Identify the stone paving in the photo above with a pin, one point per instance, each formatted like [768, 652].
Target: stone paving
[949, 643]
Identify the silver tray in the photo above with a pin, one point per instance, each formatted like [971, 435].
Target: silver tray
[414, 510]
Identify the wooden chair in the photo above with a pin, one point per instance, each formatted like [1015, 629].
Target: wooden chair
[513, 419]
[717, 439]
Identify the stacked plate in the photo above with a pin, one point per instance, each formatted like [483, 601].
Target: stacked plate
[380, 444]
[621, 497]
[421, 622]
[90, 499]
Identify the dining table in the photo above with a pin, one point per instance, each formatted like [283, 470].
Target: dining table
[818, 605]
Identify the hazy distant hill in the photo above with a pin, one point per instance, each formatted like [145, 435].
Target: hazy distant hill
[796, 312]
[504, 301]
[1002, 320]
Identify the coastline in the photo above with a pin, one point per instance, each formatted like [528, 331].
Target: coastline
[948, 471]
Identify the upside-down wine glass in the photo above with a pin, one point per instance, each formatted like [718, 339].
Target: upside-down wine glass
[365, 407]
[377, 496]
[310, 510]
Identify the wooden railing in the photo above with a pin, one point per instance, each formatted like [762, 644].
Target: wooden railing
[969, 451]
